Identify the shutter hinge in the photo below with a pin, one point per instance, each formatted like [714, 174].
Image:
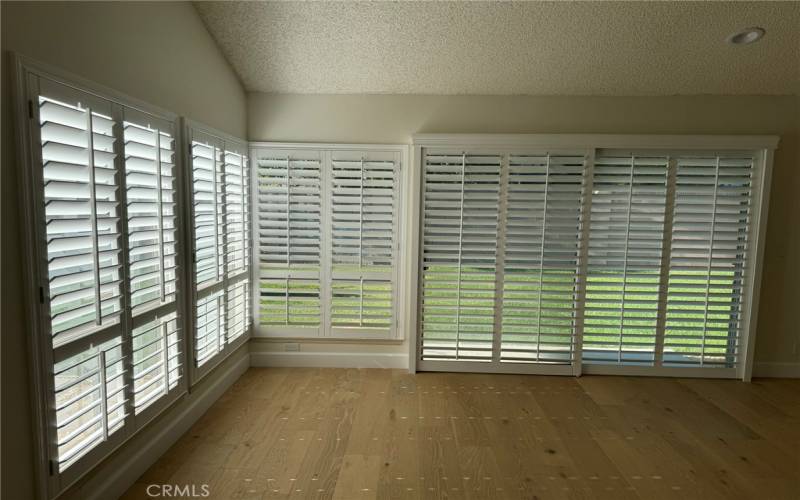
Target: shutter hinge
[41, 295]
[30, 109]
[52, 465]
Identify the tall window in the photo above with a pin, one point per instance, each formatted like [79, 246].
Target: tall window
[220, 207]
[540, 261]
[111, 329]
[328, 241]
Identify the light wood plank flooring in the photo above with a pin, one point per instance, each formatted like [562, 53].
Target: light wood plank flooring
[361, 434]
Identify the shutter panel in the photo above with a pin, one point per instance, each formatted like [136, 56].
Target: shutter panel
[221, 205]
[150, 197]
[460, 227]
[237, 213]
[289, 239]
[542, 243]
[89, 399]
[209, 327]
[207, 197]
[238, 310]
[82, 212]
[291, 302]
[362, 211]
[707, 260]
[151, 209]
[157, 360]
[624, 260]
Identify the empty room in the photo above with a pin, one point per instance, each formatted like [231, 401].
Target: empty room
[364, 250]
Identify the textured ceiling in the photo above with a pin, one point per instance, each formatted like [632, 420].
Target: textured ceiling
[553, 48]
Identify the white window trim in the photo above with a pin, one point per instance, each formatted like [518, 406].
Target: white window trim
[196, 374]
[49, 482]
[762, 146]
[404, 298]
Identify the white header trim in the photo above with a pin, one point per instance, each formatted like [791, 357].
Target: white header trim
[592, 141]
[403, 148]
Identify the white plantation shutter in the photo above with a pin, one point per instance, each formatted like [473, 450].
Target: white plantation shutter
[237, 212]
[238, 310]
[709, 243]
[289, 238]
[461, 195]
[151, 226]
[104, 213]
[363, 228]
[624, 262]
[540, 268]
[209, 327]
[82, 213]
[84, 258]
[150, 196]
[328, 227]
[596, 260]
[158, 360]
[220, 194]
[90, 400]
[207, 205]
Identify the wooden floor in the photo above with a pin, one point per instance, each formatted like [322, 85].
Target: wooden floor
[356, 434]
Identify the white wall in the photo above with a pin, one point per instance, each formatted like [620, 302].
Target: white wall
[158, 52]
[393, 118]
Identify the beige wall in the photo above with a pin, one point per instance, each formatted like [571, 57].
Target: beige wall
[393, 118]
[158, 52]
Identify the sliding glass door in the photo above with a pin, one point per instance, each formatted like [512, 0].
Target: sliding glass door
[570, 261]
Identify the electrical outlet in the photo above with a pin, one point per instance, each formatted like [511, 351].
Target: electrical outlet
[291, 346]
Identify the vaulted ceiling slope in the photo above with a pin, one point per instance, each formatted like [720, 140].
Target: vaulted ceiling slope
[533, 48]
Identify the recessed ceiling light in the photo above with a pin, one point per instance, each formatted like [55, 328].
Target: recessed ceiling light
[746, 36]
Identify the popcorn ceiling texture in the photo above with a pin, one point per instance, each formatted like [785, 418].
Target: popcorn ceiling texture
[553, 48]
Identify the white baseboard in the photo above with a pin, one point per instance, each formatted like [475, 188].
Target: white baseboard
[776, 370]
[120, 472]
[330, 359]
